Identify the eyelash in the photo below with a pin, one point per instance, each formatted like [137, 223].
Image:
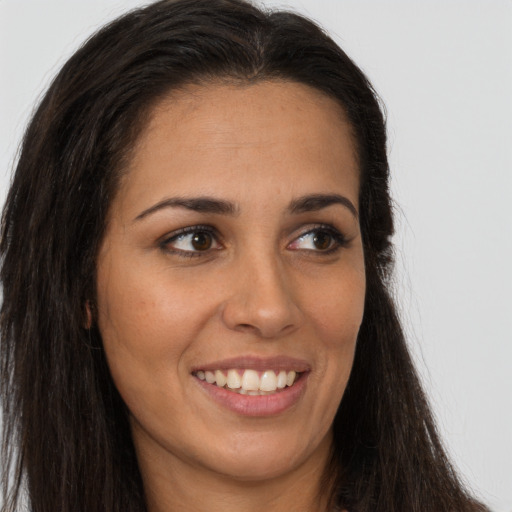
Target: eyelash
[338, 240]
[189, 230]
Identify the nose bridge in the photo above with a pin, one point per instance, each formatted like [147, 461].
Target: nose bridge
[261, 298]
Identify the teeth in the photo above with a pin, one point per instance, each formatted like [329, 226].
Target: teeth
[281, 379]
[220, 379]
[268, 381]
[234, 381]
[249, 382]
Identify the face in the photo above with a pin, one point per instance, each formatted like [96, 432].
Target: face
[230, 282]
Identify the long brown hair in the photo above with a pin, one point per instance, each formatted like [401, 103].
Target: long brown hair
[66, 438]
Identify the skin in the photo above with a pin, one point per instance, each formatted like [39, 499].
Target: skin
[264, 288]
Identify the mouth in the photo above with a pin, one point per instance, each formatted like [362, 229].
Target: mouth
[255, 386]
[249, 381]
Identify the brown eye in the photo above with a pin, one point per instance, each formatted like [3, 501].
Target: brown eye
[322, 240]
[201, 241]
[192, 240]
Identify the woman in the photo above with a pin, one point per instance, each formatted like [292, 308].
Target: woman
[196, 251]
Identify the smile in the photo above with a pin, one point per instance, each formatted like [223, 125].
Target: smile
[254, 386]
[248, 381]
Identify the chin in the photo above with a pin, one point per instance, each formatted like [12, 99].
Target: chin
[258, 468]
[258, 457]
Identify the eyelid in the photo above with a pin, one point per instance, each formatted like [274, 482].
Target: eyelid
[340, 240]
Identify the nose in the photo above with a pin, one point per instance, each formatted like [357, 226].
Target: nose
[261, 300]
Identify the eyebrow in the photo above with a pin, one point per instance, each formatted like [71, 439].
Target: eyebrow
[315, 202]
[196, 204]
[304, 204]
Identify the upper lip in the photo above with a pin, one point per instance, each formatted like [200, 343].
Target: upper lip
[276, 363]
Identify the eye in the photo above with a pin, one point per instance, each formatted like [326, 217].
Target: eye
[322, 239]
[192, 240]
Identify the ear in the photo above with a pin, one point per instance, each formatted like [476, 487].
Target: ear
[88, 320]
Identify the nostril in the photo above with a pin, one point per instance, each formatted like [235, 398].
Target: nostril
[245, 327]
[264, 331]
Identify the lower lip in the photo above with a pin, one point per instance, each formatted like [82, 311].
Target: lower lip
[257, 405]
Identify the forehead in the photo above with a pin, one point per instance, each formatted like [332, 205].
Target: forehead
[215, 137]
[197, 107]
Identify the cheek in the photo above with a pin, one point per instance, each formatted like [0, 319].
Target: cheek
[337, 309]
[143, 310]
[144, 329]
[150, 320]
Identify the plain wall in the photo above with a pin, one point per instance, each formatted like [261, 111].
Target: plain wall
[444, 71]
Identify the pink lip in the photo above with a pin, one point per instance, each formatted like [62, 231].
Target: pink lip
[265, 405]
[277, 363]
